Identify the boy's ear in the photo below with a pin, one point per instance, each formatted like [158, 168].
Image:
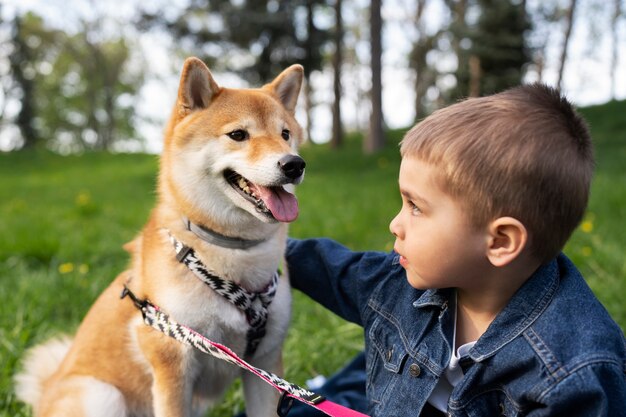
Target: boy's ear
[507, 239]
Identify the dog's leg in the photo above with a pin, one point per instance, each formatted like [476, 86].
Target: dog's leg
[168, 392]
[261, 398]
[82, 397]
[103, 400]
[171, 392]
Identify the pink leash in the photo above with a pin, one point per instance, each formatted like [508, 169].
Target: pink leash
[157, 319]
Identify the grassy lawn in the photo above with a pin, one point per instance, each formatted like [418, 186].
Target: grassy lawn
[63, 221]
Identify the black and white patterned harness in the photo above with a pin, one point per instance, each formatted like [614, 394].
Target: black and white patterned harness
[253, 304]
[154, 317]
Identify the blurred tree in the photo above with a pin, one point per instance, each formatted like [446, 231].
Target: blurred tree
[87, 97]
[80, 83]
[255, 39]
[22, 58]
[496, 54]
[313, 58]
[617, 13]
[355, 63]
[375, 138]
[543, 16]
[5, 78]
[569, 23]
[459, 33]
[425, 75]
[336, 138]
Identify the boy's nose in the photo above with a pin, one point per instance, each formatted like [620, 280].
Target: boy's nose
[394, 226]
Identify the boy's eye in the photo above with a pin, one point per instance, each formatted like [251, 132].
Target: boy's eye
[286, 134]
[238, 135]
[414, 209]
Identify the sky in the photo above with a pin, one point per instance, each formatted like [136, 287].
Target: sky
[586, 78]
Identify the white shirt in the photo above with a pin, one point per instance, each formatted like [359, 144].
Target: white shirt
[451, 376]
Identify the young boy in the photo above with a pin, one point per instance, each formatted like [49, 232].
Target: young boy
[476, 312]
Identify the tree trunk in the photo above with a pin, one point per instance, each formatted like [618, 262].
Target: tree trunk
[308, 103]
[308, 106]
[418, 58]
[475, 75]
[375, 139]
[336, 139]
[459, 29]
[568, 31]
[18, 60]
[615, 40]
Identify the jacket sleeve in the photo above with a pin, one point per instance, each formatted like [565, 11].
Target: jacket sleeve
[597, 389]
[336, 277]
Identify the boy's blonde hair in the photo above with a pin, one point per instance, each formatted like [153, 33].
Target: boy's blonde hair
[524, 153]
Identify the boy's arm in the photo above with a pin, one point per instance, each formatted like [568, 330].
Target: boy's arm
[336, 277]
[596, 389]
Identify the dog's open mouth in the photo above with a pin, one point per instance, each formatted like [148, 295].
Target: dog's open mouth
[275, 202]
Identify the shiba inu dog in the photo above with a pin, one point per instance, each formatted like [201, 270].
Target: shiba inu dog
[227, 172]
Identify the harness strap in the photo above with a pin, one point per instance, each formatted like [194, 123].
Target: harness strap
[157, 319]
[254, 305]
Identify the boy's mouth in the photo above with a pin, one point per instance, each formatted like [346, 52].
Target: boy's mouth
[273, 201]
[401, 259]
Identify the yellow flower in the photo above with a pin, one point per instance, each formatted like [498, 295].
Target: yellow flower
[83, 268]
[66, 268]
[586, 250]
[587, 226]
[83, 199]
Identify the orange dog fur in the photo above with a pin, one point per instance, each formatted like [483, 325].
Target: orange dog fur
[116, 365]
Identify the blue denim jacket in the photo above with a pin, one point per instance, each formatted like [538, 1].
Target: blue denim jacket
[552, 351]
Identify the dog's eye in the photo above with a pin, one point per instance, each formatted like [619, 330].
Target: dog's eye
[286, 134]
[238, 135]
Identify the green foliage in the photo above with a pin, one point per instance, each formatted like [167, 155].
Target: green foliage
[76, 90]
[349, 196]
[26, 50]
[256, 39]
[63, 221]
[499, 48]
[607, 123]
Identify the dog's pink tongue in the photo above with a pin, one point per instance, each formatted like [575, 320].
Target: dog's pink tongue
[282, 204]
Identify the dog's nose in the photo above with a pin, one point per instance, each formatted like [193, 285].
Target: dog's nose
[292, 166]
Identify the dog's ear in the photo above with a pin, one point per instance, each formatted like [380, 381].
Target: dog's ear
[287, 86]
[197, 87]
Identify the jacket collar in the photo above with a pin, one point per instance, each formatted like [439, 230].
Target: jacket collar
[521, 311]
[526, 305]
[434, 298]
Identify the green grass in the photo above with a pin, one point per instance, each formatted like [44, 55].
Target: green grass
[63, 221]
